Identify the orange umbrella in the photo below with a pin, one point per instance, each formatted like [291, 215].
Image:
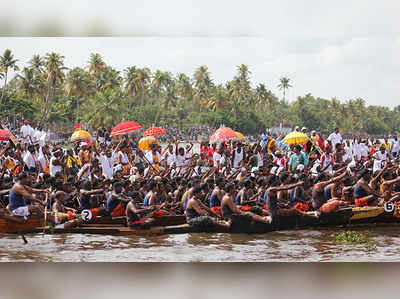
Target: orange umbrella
[154, 131]
[223, 134]
[125, 127]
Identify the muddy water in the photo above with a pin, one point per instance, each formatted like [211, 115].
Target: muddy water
[284, 246]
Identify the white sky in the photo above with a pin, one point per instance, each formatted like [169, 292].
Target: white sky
[346, 49]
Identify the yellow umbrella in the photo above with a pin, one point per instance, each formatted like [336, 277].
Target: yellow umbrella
[296, 138]
[239, 136]
[80, 134]
[144, 143]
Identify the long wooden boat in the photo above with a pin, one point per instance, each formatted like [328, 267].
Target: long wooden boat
[158, 221]
[176, 224]
[12, 227]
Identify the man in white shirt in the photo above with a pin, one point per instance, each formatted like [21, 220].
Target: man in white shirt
[169, 155]
[379, 157]
[107, 162]
[395, 147]
[26, 130]
[335, 138]
[30, 159]
[56, 163]
[218, 156]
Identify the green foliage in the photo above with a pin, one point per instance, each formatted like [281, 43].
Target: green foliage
[97, 93]
[354, 238]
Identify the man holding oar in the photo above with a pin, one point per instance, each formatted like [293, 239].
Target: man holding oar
[21, 192]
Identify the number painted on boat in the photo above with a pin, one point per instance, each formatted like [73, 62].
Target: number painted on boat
[389, 207]
[86, 215]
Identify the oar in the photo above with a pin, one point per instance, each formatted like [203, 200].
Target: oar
[45, 214]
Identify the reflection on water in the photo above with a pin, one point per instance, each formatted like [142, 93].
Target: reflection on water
[299, 245]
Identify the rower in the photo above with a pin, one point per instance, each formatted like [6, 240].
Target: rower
[117, 201]
[216, 196]
[197, 217]
[231, 211]
[364, 195]
[272, 198]
[133, 214]
[58, 205]
[20, 192]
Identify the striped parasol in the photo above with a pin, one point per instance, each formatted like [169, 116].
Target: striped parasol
[125, 127]
[154, 131]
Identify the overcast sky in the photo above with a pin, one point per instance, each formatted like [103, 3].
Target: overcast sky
[346, 49]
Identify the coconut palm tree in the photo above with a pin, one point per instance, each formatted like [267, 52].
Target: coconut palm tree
[218, 100]
[54, 75]
[95, 64]
[104, 108]
[185, 88]
[161, 81]
[284, 85]
[262, 98]
[78, 85]
[109, 78]
[137, 82]
[29, 83]
[36, 63]
[203, 85]
[7, 62]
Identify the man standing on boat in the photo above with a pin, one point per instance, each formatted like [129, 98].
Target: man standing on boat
[21, 192]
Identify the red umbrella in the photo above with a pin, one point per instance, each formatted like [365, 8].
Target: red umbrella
[5, 135]
[154, 132]
[125, 127]
[223, 134]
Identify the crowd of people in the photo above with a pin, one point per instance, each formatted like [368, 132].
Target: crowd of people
[217, 185]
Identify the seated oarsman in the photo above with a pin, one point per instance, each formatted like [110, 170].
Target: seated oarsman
[191, 185]
[136, 217]
[298, 195]
[333, 190]
[242, 200]
[319, 201]
[117, 201]
[21, 192]
[64, 217]
[272, 203]
[58, 205]
[197, 217]
[364, 195]
[151, 197]
[88, 196]
[387, 187]
[348, 190]
[231, 211]
[216, 196]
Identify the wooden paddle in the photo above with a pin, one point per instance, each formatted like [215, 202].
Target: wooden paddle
[45, 214]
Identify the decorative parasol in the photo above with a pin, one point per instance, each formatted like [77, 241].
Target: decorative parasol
[80, 134]
[296, 138]
[154, 131]
[223, 134]
[5, 135]
[125, 127]
[239, 136]
[144, 143]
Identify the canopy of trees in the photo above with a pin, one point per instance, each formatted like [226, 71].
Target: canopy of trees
[49, 93]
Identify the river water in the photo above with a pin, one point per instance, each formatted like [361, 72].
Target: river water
[282, 246]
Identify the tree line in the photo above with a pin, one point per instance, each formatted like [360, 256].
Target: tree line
[49, 93]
